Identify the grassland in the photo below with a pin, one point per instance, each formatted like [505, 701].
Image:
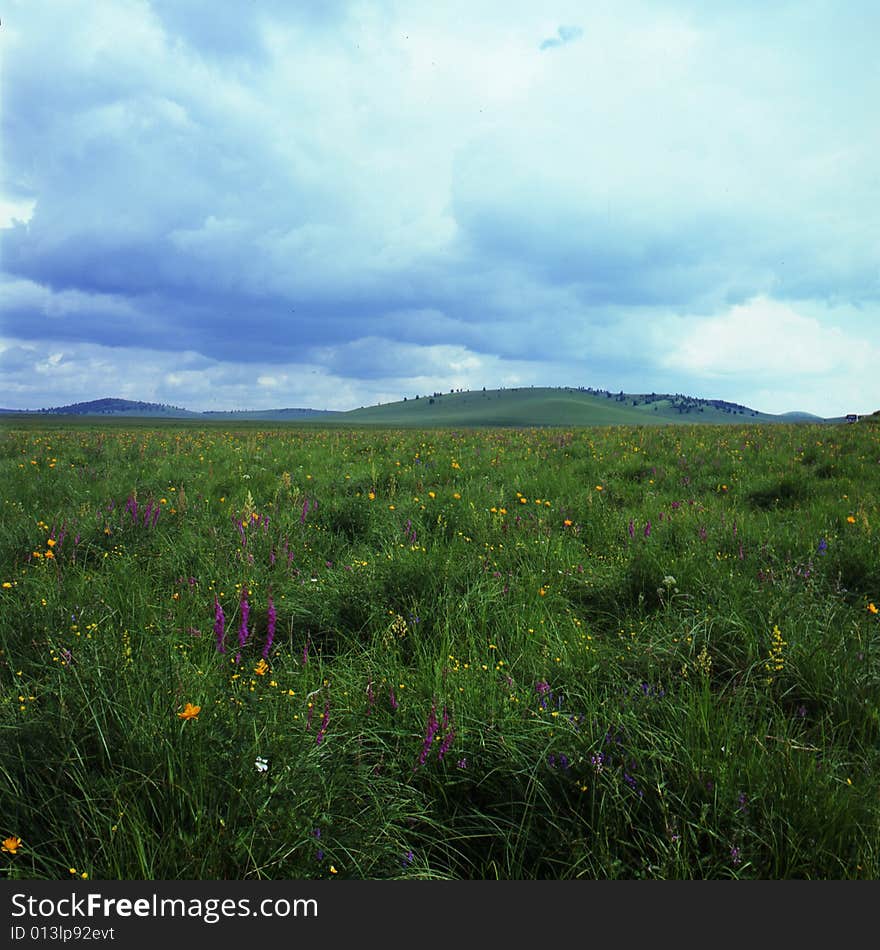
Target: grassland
[299, 652]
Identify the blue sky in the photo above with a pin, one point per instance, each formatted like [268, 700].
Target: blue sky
[268, 204]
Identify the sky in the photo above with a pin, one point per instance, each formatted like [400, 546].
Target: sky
[268, 204]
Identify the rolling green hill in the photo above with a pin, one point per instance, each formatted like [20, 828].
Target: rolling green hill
[519, 407]
[545, 406]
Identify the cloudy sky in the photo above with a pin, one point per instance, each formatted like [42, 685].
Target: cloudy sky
[330, 204]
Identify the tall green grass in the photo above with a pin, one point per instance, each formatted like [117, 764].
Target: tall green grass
[629, 652]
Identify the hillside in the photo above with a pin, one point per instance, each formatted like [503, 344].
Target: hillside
[545, 406]
[526, 406]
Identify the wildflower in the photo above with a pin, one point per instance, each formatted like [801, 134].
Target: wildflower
[430, 731]
[325, 721]
[599, 488]
[245, 613]
[7, 585]
[261, 764]
[735, 857]
[12, 844]
[872, 608]
[567, 522]
[823, 546]
[261, 668]
[189, 712]
[219, 626]
[271, 616]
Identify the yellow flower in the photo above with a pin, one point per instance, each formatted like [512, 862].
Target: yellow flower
[51, 542]
[542, 591]
[333, 870]
[872, 608]
[261, 668]
[7, 585]
[11, 845]
[850, 519]
[567, 522]
[372, 496]
[189, 712]
[599, 488]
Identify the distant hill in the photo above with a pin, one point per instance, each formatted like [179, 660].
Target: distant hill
[118, 407]
[522, 406]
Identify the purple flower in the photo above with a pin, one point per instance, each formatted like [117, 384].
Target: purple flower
[430, 731]
[245, 613]
[823, 546]
[392, 698]
[445, 744]
[219, 626]
[270, 627]
[735, 857]
[325, 721]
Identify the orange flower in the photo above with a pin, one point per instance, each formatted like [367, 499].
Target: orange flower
[567, 522]
[11, 845]
[189, 712]
[850, 519]
[872, 608]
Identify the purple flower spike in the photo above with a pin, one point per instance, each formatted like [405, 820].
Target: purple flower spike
[219, 626]
[271, 616]
[245, 613]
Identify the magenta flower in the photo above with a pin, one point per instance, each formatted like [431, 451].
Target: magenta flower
[325, 721]
[219, 626]
[271, 617]
[245, 613]
[430, 731]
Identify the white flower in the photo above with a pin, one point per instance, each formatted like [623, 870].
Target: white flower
[261, 765]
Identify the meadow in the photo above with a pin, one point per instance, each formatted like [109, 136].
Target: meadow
[239, 652]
